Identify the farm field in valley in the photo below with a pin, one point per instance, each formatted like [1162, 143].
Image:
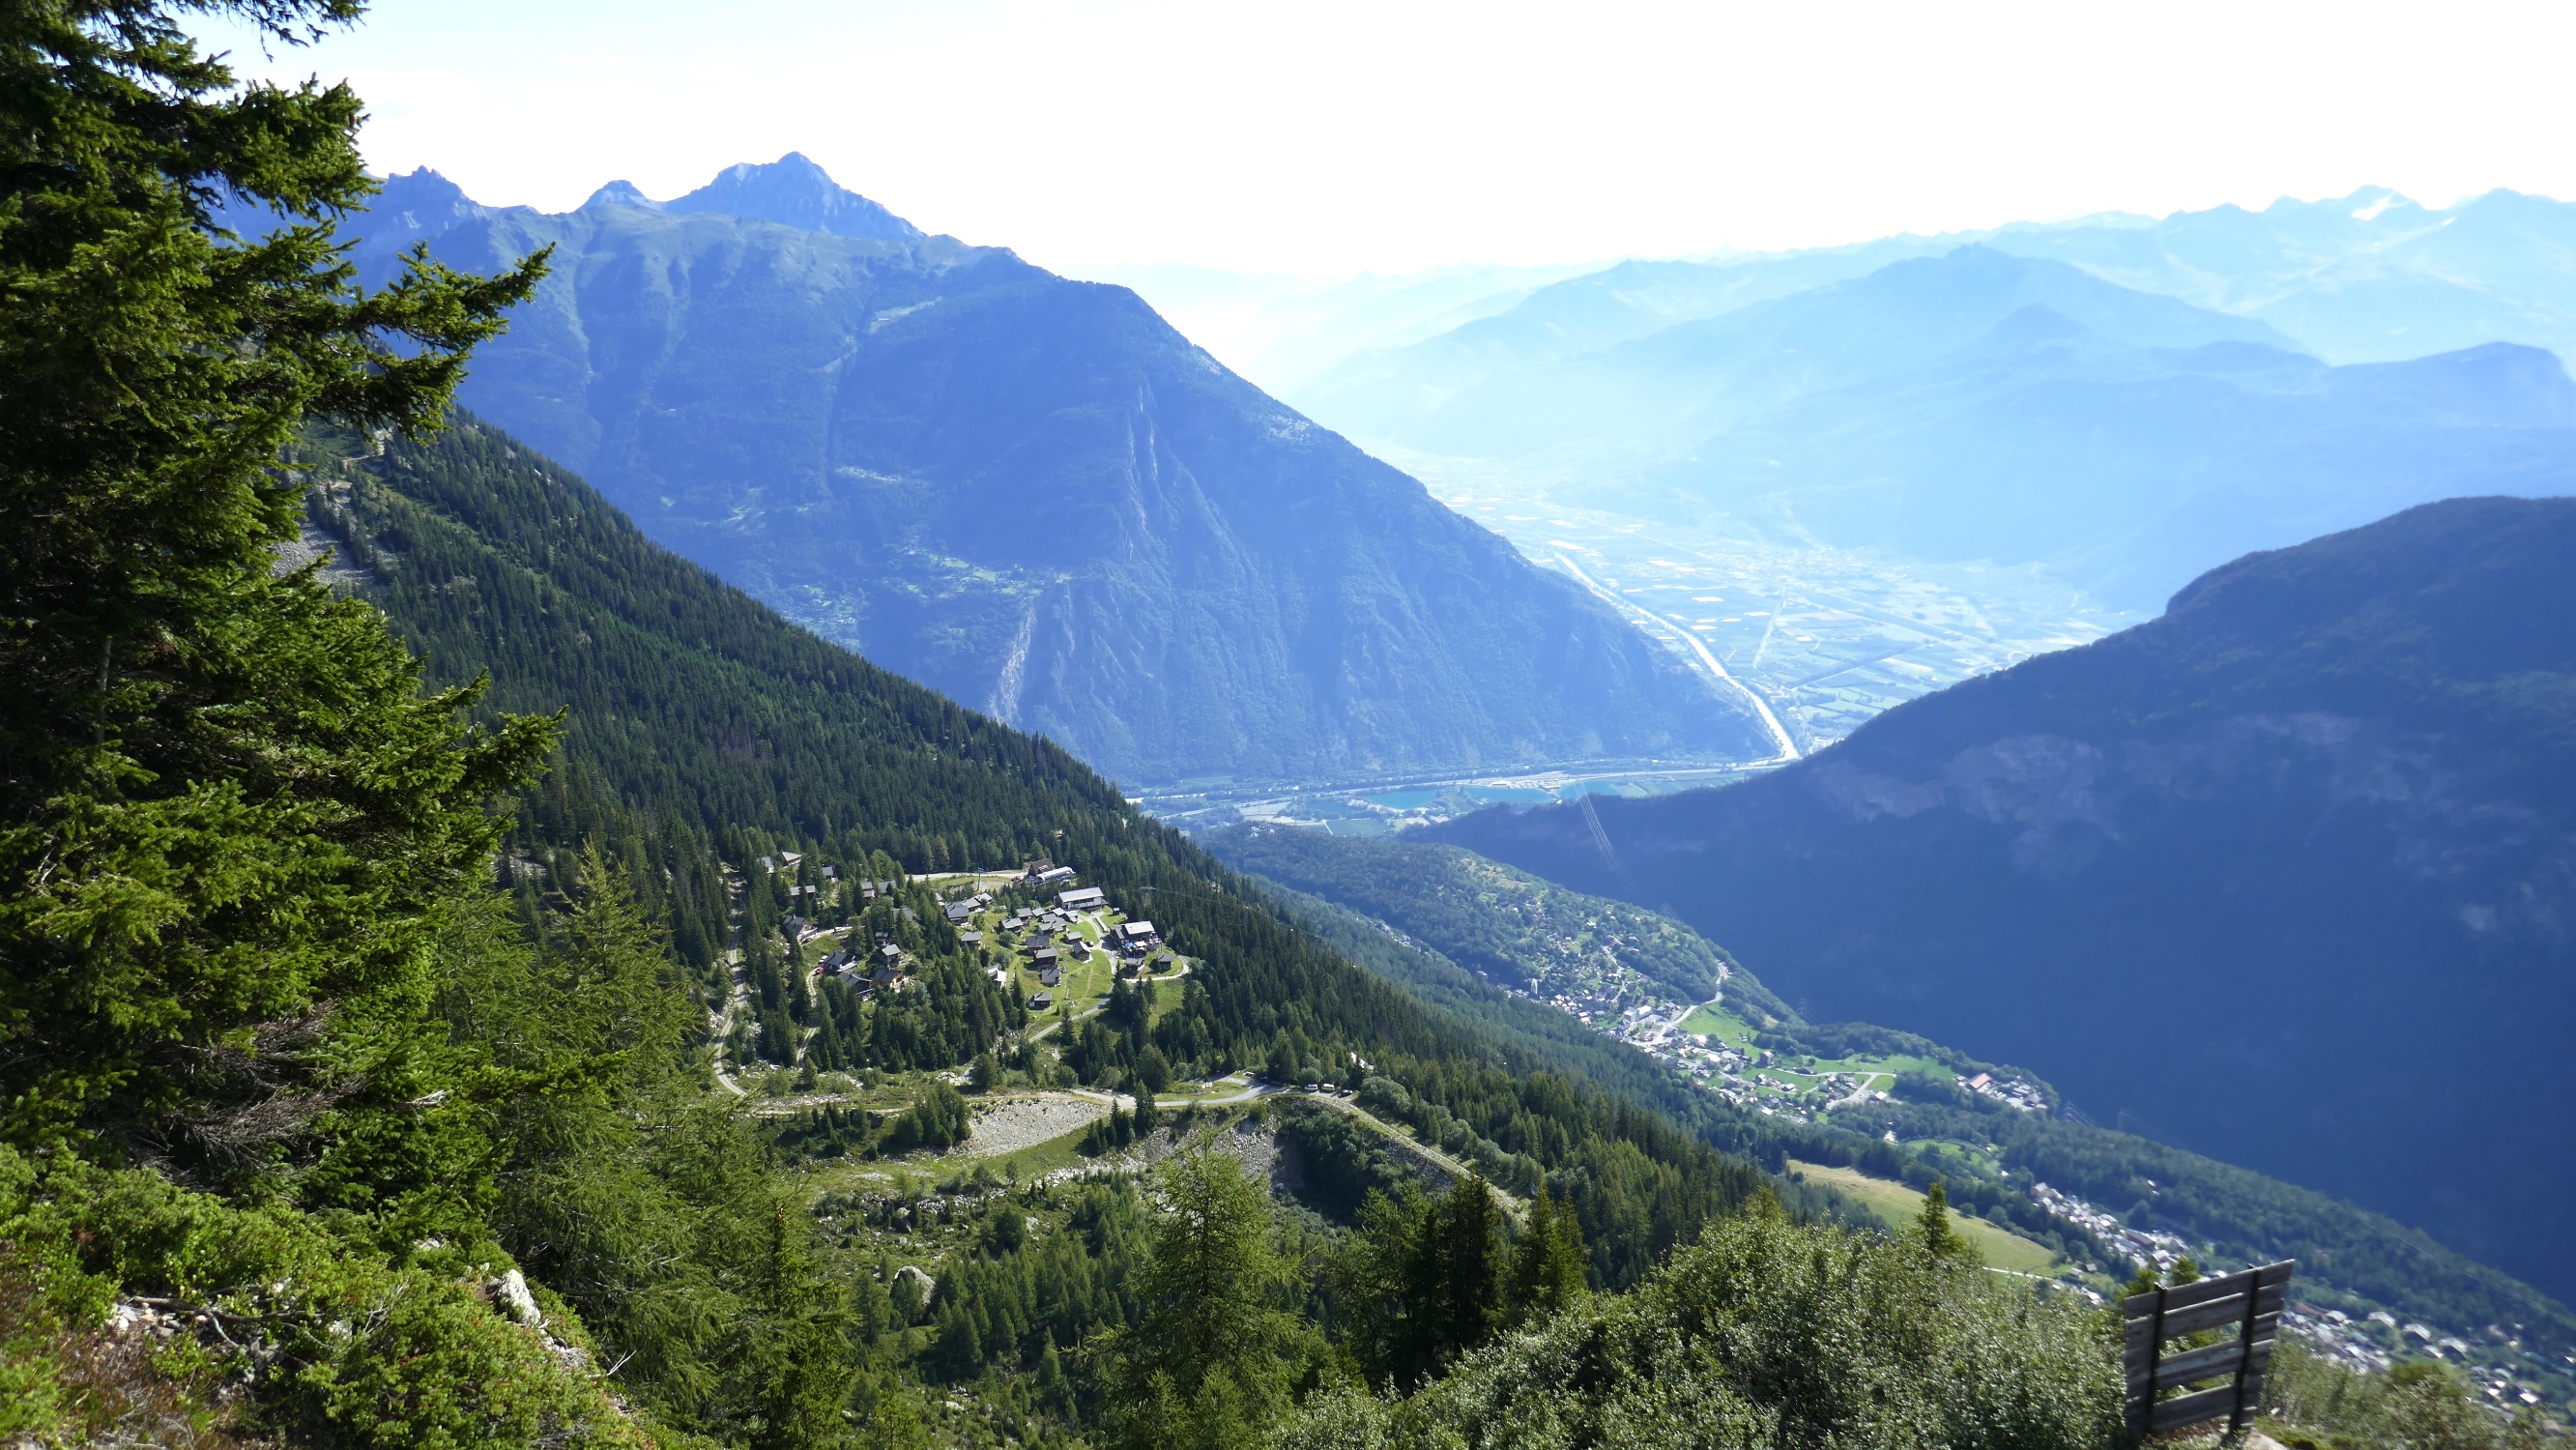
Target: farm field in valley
[1897, 1205]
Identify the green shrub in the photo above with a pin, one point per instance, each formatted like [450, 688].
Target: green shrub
[337, 1345]
[1769, 1332]
[2313, 1403]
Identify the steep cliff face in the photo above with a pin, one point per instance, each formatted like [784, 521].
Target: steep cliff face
[1033, 495]
[2287, 876]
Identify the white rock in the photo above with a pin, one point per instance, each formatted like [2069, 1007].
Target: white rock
[515, 1298]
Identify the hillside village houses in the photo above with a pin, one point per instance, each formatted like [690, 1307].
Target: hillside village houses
[1048, 933]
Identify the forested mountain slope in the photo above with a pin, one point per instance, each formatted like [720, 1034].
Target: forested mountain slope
[1034, 496]
[1513, 928]
[1442, 920]
[695, 715]
[2307, 843]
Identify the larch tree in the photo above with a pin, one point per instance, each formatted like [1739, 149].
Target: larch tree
[1208, 1366]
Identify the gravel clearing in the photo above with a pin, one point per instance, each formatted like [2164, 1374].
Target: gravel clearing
[1018, 1123]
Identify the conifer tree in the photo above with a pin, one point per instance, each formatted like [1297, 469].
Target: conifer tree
[1423, 1282]
[1469, 1245]
[228, 816]
[1547, 1262]
[1932, 1225]
[1208, 1365]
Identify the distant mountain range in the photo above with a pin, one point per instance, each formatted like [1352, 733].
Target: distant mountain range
[2286, 876]
[1033, 495]
[2369, 277]
[1971, 405]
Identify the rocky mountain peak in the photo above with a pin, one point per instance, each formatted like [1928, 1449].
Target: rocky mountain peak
[793, 191]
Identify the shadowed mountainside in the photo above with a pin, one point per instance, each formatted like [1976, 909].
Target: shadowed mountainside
[2287, 876]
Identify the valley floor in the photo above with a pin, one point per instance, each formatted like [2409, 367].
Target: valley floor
[1826, 638]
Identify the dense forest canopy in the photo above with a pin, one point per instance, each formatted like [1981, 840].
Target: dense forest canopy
[369, 925]
[684, 692]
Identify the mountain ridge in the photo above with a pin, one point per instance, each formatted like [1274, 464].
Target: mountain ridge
[791, 191]
[1033, 495]
[1982, 407]
[1528, 937]
[2319, 812]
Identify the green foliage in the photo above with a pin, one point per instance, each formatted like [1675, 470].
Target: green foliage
[1547, 1261]
[938, 1118]
[63, 1383]
[1640, 1187]
[352, 1349]
[1340, 1161]
[234, 826]
[622, 1184]
[1207, 1363]
[1422, 1282]
[1932, 1227]
[2313, 1403]
[1018, 1306]
[1484, 916]
[226, 815]
[1771, 1333]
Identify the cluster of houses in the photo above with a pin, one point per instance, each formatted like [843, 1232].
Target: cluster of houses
[1043, 872]
[2010, 1091]
[1052, 942]
[1047, 931]
[2501, 1366]
[877, 970]
[2141, 1247]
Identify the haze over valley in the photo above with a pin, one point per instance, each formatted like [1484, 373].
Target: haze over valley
[2018, 427]
[1161, 727]
[1652, 531]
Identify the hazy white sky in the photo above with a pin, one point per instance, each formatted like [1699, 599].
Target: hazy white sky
[1325, 137]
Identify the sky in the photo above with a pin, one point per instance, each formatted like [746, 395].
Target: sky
[1325, 138]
